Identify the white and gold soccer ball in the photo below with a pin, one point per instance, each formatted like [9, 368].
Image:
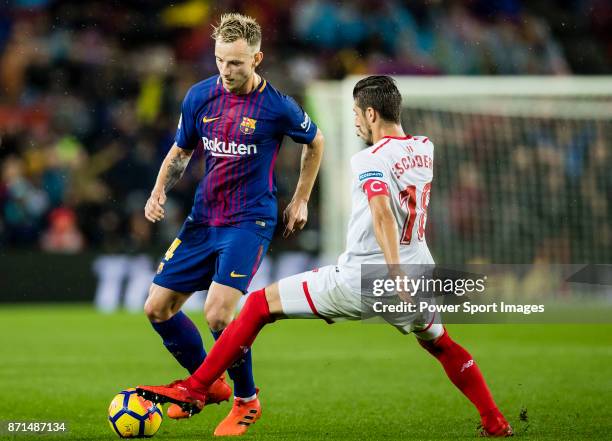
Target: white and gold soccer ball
[131, 416]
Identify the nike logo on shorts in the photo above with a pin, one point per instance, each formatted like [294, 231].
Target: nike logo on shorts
[235, 274]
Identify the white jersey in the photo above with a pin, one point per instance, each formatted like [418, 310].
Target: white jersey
[405, 166]
[403, 169]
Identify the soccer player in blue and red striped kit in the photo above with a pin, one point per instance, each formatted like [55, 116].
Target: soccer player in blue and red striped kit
[241, 121]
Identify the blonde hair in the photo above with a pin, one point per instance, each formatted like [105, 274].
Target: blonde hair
[235, 26]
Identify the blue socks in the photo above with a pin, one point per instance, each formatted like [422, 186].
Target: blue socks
[241, 372]
[182, 338]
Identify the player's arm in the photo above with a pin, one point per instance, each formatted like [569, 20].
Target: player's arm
[385, 225]
[296, 213]
[170, 172]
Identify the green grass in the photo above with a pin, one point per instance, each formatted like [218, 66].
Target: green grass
[319, 382]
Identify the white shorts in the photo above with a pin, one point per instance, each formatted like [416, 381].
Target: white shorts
[321, 293]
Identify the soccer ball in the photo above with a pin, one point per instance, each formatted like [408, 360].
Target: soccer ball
[131, 416]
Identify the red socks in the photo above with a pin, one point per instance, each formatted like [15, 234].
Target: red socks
[462, 371]
[234, 340]
[240, 334]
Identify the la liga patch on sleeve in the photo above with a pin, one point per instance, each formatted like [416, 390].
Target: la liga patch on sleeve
[370, 174]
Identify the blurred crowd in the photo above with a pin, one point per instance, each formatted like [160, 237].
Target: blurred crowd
[530, 190]
[90, 90]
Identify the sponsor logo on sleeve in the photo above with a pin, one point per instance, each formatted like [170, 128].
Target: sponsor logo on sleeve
[370, 174]
[306, 124]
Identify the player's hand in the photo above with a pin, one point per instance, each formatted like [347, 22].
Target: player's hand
[154, 210]
[295, 216]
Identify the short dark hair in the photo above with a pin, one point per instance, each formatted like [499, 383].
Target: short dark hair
[380, 93]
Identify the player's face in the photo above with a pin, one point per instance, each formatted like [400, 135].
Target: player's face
[236, 62]
[364, 130]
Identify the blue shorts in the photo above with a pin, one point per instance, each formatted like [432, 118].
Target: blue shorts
[202, 254]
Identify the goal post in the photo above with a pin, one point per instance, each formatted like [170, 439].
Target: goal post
[521, 171]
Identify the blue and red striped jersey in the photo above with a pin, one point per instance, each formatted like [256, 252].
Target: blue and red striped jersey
[241, 136]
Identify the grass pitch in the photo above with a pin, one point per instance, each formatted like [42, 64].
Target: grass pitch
[318, 382]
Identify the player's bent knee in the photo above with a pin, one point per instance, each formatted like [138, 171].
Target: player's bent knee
[432, 332]
[156, 307]
[438, 344]
[155, 314]
[216, 320]
[216, 324]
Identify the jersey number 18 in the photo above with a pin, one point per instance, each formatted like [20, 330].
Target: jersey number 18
[408, 198]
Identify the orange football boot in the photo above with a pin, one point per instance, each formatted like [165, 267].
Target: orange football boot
[218, 392]
[240, 418]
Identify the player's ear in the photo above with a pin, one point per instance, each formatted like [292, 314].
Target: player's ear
[258, 58]
[370, 114]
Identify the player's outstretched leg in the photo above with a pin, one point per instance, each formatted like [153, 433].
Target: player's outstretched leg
[190, 395]
[182, 339]
[465, 374]
[230, 346]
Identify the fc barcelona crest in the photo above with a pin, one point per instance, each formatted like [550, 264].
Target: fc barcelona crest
[247, 126]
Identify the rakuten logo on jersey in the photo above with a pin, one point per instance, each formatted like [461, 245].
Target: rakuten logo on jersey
[228, 149]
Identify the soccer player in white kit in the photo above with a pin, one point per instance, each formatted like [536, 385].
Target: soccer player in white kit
[391, 183]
